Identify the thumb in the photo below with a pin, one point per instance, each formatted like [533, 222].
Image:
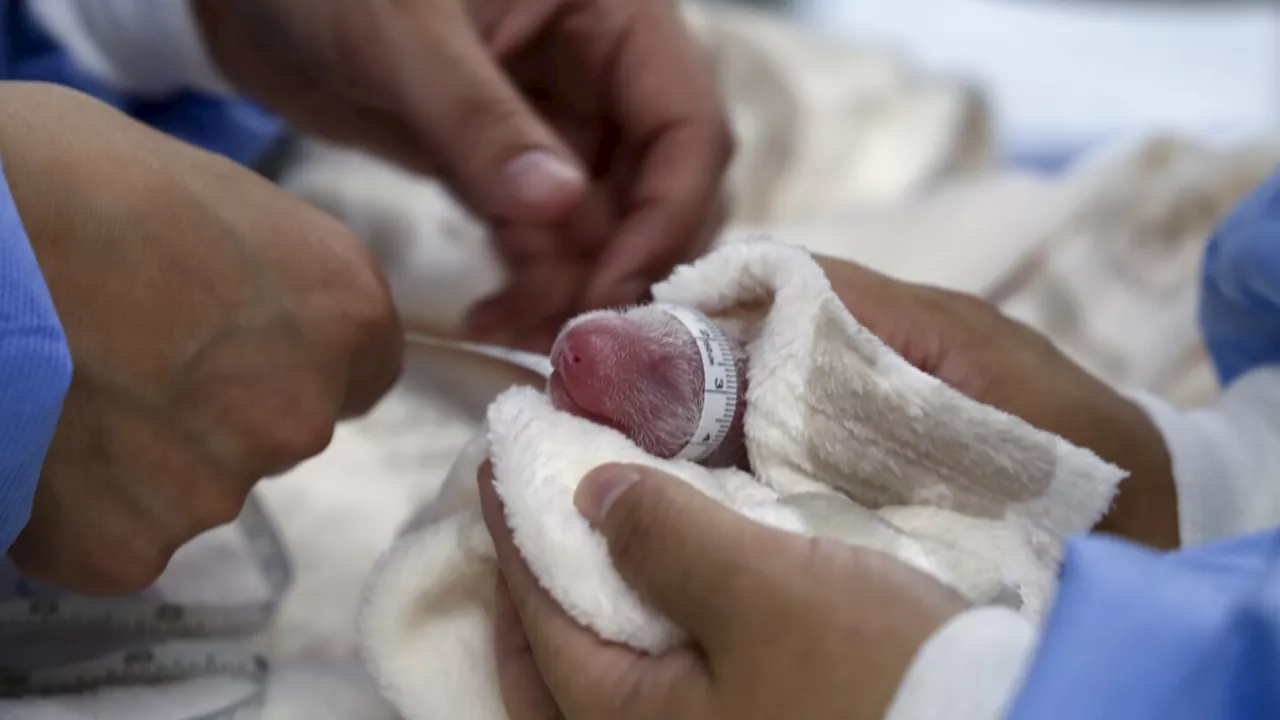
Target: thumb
[492, 146]
[693, 559]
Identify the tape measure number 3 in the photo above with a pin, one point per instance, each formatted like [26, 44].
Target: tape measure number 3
[720, 383]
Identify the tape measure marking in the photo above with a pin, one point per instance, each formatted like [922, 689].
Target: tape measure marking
[720, 382]
[158, 641]
[144, 664]
[532, 362]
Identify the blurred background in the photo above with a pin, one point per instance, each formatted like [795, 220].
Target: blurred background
[1063, 76]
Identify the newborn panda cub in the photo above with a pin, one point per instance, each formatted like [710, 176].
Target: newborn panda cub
[641, 372]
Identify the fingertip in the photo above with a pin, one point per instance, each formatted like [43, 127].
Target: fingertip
[601, 488]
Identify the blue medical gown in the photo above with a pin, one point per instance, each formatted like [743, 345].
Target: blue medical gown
[35, 370]
[230, 126]
[35, 365]
[1140, 635]
[1240, 298]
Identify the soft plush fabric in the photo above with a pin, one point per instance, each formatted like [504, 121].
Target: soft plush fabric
[846, 440]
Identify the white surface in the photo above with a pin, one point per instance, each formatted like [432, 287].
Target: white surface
[1225, 458]
[970, 669]
[1062, 73]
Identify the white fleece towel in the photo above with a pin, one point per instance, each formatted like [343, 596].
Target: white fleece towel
[837, 425]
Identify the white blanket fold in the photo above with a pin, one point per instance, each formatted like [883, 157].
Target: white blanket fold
[846, 440]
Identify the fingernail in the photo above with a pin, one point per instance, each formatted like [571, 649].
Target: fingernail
[601, 488]
[542, 180]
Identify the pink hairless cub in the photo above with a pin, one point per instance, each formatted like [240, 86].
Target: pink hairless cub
[641, 371]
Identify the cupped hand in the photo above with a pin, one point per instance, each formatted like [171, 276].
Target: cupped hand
[219, 328]
[588, 133]
[782, 626]
[970, 345]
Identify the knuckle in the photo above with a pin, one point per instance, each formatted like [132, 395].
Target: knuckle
[289, 421]
[962, 310]
[489, 117]
[127, 570]
[960, 303]
[371, 316]
[218, 508]
[635, 524]
[358, 309]
[289, 425]
[632, 689]
[368, 313]
[296, 436]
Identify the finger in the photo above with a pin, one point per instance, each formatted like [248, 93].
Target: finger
[368, 343]
[667, 102]
[312, 105]
[502, 158]
[522, 243]
[915, 320]
[506, 26]
[524, 693]
[539, 292]
[590, 226]
[859, 287]
[696, 561]
[560, 644]
[374, 371]
[587, 676]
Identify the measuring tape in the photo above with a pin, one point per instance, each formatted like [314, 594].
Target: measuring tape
[533, 362]
[75, 644]
[720, 382]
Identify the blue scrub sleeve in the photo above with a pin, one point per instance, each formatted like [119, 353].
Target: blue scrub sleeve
[1139, 635]
[1240, 293]
[233, 127]
[35, 370]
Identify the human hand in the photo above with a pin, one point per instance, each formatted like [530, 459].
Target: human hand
[971, 346]
[219, 328]
[784, 626]
[588, 134]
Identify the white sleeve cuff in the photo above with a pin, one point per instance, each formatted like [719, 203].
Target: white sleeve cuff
[970, 669]
[137, 46]
[1226, 458]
